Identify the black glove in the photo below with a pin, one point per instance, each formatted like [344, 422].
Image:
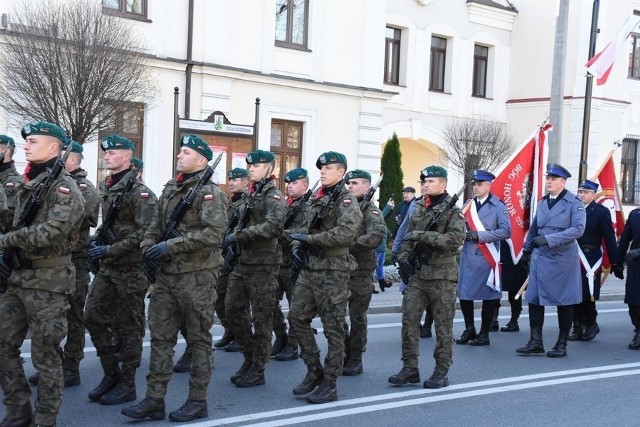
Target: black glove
[5, 268]
[406, 269]
[97, 252]
[299, 237]
[471, 235]
[525, 260]
[228, 241]
[297, 258]
[618, 271]
[539, 241]
[157, 253]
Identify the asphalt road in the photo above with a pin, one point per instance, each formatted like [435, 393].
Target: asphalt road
[490, 386]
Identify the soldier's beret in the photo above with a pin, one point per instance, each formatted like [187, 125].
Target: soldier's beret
[433, 172]
[330, 157]
[588, 185]
[260, 156]
[238, 173]
[76, 147]
[357, 173]
[116, 142]
[296, 174]
[44, 128]
[480, 175]
[197, 144]
[7, 140]
[555, 169]
[137, 163]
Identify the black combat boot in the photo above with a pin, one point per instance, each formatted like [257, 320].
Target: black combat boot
[148, 408]
[17, 416]
[481, 339]
[246, 365]
[405, 376]
[635, 342]
[467, 335]
[560, 349]
[184, 363]
[254, 377]
[590, 331]
[352, 367]
[436, 380]
[280, 342]
[512, 326]
[226, 339]
[289, 352]
[124, 391]
[314, 376]
[109, 381]
[324, 393]
[535, 345]
[233, 347]
[191, 410]
[577, 332]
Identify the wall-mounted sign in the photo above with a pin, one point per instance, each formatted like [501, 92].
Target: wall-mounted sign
[218, 125]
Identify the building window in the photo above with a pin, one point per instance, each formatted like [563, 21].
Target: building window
[480, 61]
[286, 144]
[127, 121]
[136, 9]
[629, 163]
[292, 23]
[392, 56]
[634, 56]
[438, 63]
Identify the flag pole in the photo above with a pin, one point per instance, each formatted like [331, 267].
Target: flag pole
[616, 145]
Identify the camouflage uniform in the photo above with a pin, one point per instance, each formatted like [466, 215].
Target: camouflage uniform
[185, 290]
[434, 283]
[11, 181]
[252, 280]
[74, 346]
[285, 280]
[36, 298]
[115, 305]
[370, 234]
[322, 288]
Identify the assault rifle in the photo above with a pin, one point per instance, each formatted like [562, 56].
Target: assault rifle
[171, 229]
[105, 235]
[33, 205]
[421, 248]
[371, 192]
[302, 201]
[239, 221]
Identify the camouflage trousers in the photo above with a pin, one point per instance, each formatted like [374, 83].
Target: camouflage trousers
[323, 293]
[186, 299]
[361, 288]
[74, 346]
[441, 294]
[221, 290]
[114, 316]
[285, 288]
[254, 286]
[44, 313]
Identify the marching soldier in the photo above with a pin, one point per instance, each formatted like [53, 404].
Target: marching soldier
[253, 279]
[480, 279]
[115, 306]
[598, 229]
[285, 347]
[630, 240]
[10, 179]
[434, 283]
[321, 252]
[370, 234]
[36, 298]
[554, 275]
[184, 292]
[73, 351]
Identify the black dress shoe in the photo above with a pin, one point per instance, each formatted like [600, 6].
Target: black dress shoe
[324, 393]
[635, 342]
[405, 376]
[467, 336]
[577, 332]
[481, 339]
[590, 332]
[437, 380]
[191, 410]
[512, 326]
[289, 352]
[495, 326]
[148, 408]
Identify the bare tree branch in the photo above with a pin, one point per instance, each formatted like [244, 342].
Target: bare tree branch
[70, 64]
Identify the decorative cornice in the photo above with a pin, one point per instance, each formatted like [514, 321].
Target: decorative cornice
[491, 16]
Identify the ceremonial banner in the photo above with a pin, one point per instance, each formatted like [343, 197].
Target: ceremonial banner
[602, 62]
[609, 197]
[520, 185]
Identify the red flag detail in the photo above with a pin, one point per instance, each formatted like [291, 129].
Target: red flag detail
[609, 198]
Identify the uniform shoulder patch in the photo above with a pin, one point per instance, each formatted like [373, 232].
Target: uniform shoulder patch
[346, 202]
[144, 195]
[277, 197]
[63, 190]
[82, 185]
[208, 197]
